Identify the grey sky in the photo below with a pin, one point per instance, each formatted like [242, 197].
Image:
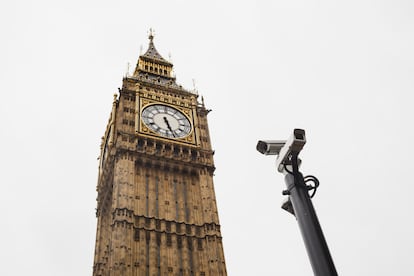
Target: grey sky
[342, 70]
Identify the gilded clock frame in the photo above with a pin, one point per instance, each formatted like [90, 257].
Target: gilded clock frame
[142, 129]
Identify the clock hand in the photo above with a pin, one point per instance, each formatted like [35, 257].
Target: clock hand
[168, 126]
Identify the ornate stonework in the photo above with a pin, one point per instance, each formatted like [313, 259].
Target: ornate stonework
[156, 206]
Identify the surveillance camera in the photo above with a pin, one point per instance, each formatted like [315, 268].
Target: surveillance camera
[283, 148]
[295, 144]
[270, 147]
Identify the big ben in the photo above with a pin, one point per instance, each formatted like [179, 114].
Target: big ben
[156, 206]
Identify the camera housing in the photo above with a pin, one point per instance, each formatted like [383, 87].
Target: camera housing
[295, 144]
[283, 148]
[270, 147]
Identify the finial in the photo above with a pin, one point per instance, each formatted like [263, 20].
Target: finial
[202, 101]
[194, 87]
[127, 70]
[195, 91]
[151, 34]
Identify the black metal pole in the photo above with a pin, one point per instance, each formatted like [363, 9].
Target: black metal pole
[315, 243]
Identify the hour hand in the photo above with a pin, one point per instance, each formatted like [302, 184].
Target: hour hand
[168, 126]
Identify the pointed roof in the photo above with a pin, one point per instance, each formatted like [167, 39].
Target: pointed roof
[152, 52]
[149, 71]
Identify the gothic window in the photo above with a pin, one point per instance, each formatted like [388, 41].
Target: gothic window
[199, 244]
[168, 226]
[158, 225]
[158, 148]
[140, 143]
[158, 239]
[190, 244]
[188, 229]
[169, 242]
[136, 235]
[179, 242]
[176, 151]
[193, 155]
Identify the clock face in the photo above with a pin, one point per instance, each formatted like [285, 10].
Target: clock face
[166, 121]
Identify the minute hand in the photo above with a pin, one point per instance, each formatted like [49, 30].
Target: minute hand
[168, 126]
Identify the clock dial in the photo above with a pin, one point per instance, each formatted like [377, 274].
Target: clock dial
[166, 121]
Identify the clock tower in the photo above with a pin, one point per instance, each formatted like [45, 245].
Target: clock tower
[156, 206]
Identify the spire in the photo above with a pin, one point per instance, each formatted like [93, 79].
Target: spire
[152, 67]
[152, 52]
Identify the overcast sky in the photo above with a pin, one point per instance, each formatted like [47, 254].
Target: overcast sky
[341, 70]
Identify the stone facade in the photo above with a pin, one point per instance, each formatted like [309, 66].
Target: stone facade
[156, 206]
